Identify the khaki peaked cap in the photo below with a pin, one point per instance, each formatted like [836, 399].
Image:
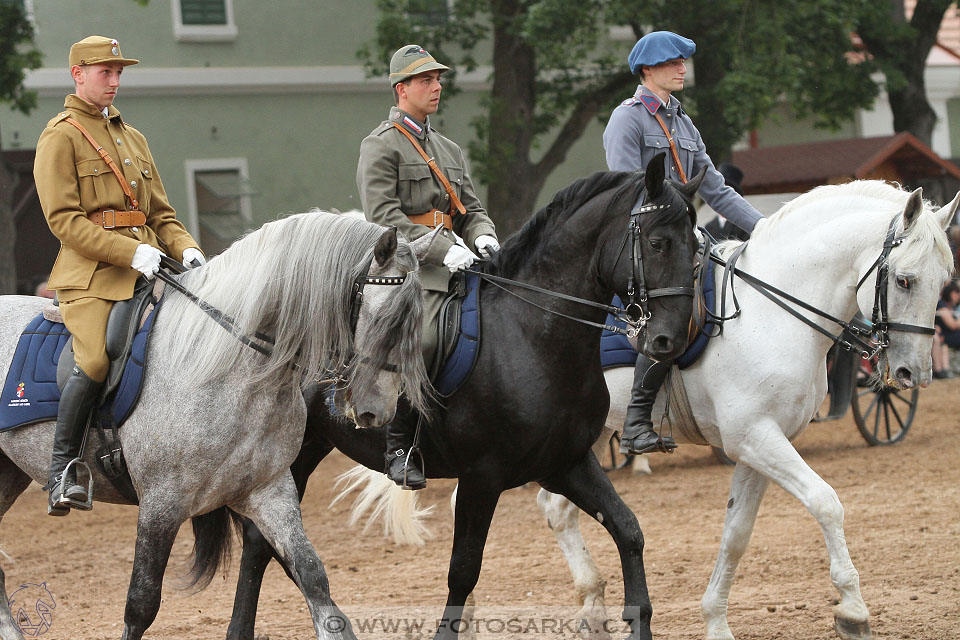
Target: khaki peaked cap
[410, 60]
[97, 50]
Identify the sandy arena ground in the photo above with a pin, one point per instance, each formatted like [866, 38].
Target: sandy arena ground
[902, 508]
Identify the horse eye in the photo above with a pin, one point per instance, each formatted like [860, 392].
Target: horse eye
[657, 244]
[903, 282]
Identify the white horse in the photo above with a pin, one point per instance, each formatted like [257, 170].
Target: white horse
[760, 383]
[218, 424]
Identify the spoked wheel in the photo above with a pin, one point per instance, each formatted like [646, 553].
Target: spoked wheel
[612, 458]
[883, 415]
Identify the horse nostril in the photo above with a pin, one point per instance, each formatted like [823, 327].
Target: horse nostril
[662, 344]
[904, 376]
[366, 419]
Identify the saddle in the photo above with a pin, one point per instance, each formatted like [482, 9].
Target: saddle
[458, 334]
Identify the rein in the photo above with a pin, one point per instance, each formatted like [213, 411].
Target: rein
[852, 337]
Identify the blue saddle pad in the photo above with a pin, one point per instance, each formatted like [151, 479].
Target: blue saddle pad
[458, 366]
[30, 392]
[616, 351]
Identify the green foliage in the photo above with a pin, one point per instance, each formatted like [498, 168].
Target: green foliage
[751, 55]
[17, 54]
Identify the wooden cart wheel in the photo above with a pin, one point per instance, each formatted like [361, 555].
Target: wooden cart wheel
[884, 415]
[612, 458]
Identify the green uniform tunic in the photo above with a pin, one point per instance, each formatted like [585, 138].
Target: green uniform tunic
[394, 182]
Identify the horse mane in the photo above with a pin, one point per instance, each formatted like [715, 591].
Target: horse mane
[290, 279]
[628, 185]
[888, 198]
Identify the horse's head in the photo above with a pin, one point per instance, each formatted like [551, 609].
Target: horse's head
[387, 311]
[655, 271]
[903, 302]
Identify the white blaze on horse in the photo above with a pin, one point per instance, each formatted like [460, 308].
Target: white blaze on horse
[218, 423]
[759, 384]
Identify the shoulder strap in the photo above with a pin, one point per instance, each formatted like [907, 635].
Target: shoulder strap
[106, 158]
[673, 148]
[454, 200]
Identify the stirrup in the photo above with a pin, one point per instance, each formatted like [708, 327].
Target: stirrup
[661, 445]
[63, 502]
[406, 486]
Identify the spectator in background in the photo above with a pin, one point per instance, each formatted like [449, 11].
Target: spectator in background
[948, 330]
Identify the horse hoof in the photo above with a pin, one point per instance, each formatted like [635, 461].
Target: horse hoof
[849, 630]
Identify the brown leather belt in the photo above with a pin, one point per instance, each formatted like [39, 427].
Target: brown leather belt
[433, 219]
[111, 219]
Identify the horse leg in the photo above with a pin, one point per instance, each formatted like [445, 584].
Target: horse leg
[777, 459]
[746, 492]
[257, 552]
[156, 530]
[476, 501]
[13, 482]
[586, 485]
[275, 510]
[563, 518]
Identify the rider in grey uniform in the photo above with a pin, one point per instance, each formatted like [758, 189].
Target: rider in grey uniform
[632, 138]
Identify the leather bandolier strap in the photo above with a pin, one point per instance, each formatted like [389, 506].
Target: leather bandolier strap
[673, 148]
[434, 218]
[110, 218]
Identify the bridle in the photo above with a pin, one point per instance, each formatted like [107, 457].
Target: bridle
[637, 293]
[363, 279]
[857, 336]
[636, 314]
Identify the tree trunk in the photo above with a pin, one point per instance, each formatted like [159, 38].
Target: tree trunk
[8, 231]
[908, 56]
[511, 192]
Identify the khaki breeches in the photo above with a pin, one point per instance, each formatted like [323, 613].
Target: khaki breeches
[86, 318]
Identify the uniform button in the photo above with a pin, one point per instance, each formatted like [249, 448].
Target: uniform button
[119, 142]
[127, 162]
[146, 171]
[669, 115]
[96, 170]
[133, 183]
[135, 229]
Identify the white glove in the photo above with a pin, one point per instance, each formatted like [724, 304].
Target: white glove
[458, 258]
[146, 260]
[487, 245]
[192, 258]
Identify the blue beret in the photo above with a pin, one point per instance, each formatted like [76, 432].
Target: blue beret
[657, 47]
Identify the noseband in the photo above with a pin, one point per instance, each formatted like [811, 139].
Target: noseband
[637, 293]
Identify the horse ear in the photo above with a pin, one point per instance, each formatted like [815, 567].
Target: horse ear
[653, 176]
[946, 213]
[690, 188]
[386, 246]
[913, 208]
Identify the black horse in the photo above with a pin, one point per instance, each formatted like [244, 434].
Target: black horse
[536, 401]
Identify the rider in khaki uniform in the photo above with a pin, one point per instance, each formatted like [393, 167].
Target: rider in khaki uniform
[108, 238]
[398, 187]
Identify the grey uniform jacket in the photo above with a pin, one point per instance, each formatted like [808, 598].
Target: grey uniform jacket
[394, 181]
[633, 137]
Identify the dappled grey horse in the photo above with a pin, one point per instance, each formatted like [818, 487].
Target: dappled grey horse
[210, 403]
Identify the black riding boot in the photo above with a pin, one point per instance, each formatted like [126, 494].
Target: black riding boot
[401, 466]
[638, 434]
[76, 401]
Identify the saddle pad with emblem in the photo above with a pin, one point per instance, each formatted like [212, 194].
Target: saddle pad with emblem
[30, 393]
[616, 350]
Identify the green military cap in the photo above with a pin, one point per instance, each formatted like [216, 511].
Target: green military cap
[410, 60]
[97, 49]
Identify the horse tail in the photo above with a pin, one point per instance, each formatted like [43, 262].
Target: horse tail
[403, 518]
[212, 545]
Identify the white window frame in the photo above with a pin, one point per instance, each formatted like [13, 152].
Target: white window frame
[213, 164]
[204, 32]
